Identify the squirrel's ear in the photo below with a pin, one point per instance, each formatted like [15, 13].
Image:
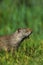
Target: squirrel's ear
[19, 29]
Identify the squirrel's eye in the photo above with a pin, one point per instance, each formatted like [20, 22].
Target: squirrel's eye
[26, 31]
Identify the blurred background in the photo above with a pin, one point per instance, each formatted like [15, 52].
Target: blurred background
[16, 14]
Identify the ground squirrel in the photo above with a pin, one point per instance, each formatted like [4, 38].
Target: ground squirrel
[13, 40]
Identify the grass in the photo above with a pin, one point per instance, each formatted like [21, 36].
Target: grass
[30, 52]
[13, 17]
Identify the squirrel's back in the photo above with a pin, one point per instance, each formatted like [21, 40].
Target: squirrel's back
[13, 40]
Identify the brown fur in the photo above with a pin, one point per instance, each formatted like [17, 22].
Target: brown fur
[12, 41]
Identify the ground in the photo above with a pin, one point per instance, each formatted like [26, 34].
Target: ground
[29, 53]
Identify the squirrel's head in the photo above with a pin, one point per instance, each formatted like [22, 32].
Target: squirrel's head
[24, 31]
